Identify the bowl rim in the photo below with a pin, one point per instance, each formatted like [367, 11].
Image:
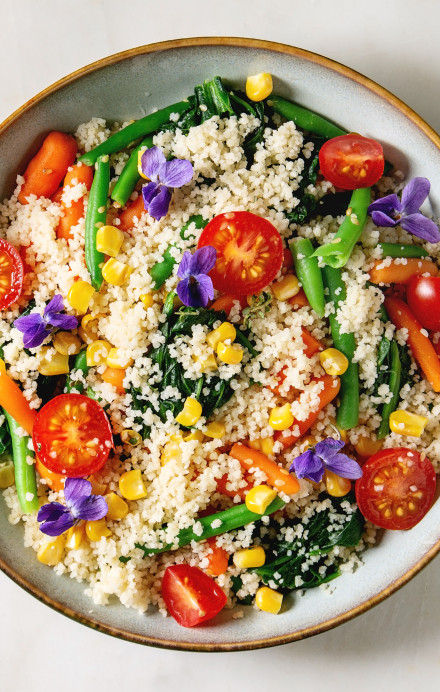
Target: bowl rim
[421, 124]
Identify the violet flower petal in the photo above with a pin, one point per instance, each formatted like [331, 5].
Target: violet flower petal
[27, 322]
[35, 336]
[328, 448]
[421, 226]
[159, 205]
[382, 219]
[387, 205]
[195, 291]
[91, 508]
[55, 305]
[308, 465]
[184, 270]
[205, 289]
[59, 526]
[176, 173]
[343, 466]
[62, 321]
[151, 162]
[76, 489]
[414, 194]
[203, 260]
[149, 192]
[183, 291]
[51, 511]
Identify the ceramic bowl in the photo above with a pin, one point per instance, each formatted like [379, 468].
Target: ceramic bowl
[128, 85]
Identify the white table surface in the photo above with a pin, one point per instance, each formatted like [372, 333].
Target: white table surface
[396, 646]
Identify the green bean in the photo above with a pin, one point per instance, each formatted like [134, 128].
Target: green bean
[162, 270]
[96, 216]
[79, 364]
[337, 252]
[309, 273]
[304, 118]
[129, 175]
[25, 479]
[140, 128]
[348, 410]
[233, 518]
[394, 385]
[402, 250]
[199, 221]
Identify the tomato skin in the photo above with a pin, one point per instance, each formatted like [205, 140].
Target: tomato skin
[11, 268]
[62, 433]
[249, 252]
[409, 480]
[190, 596]
[351, 161]
[423, 296]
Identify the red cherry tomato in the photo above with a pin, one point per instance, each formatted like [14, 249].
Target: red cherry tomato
[72, 435]
[249, 252]
[423, 296]
[351, 161]
[190, 596]
[396, 489]
[11, 274]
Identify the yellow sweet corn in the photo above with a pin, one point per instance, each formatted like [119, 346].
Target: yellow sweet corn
[225, 331]
[406, 423]
[230, 354]
[66, 343]
[335, 485]
[117, 507]
[7, 477]
[207, 364]
[249, 557]
[80, 295]
[259, 498]
[194, 435]
[115, 272]
[132, 486]
[281, 417]
[97, 487]
[118, 360]
[215, 430]
[172, 450]
[268, 600]
[95, 530]
[191, 412]
[140, 171]
[367, 446]
[52, 362]
[97, 352]
[51, 552]
[75, 535]
[286, 288]
[109, 240]
[147, 300]
[131, 437]
[2, 365]
[262, 444]
[333, 361]
[259, 86]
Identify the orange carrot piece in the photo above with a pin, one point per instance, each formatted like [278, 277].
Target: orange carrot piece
[226, 303]
[277, 477]
[330, 390]
[217, 560]
[13, 400]
[311, 345]
[79, 173]
[49, 166]
[115, 376]
[397, 273]
[299, 301]
[287, 260]
[127, 217]
[55, 481]
[71, 215]
[224, 490]
[420, 345]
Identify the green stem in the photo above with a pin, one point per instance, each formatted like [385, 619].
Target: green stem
[394, 385]
[402, 250]
[305, 118]
[309, 273]
[25, 479]
[129, 175]
[95, 218]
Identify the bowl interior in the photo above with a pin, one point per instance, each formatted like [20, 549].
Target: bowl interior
[128, 86]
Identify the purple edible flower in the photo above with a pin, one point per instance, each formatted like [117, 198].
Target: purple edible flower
[164, 175]
[195, 288]
[36, 328]
[325, 455]
[390, 211]
[80, 504]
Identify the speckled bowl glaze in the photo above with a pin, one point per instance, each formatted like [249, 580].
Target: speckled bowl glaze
[128, 85]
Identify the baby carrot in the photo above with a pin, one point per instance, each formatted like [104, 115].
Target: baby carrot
[14, 402]
[134, 210]
[74, 212]
[49, 166]
[227, 302]
[223, 489]
[217, 560]
[277, 477]
[311, 345]
[398, 273]
[55, 481]
[299, 301]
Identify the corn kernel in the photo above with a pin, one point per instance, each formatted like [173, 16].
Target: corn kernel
[7, 477]
[74, 536]
[95, 530]
[191, 412]
[268, 600]
[231, 355]
[215, 430]
[207, 364]
[406, 423]
[2, 365]
[281, 417]
[249, 557]
[259, 498]
[333, 361]
[171, 450]
[115, 272]
[262, 444]
[194, 435]
[118, 360]
[306, 442]
[147, 300]
[366, 446]
[51, 552]
[139, 166]
[97, 487]
[79, 296]
[286, 288]
[335, 485]
[109, 240]
[97, 352]
[132, 486]
[225, 331]
[66, 343]
[52, 362]
[259, 86]
[131, 437]
[117, 507]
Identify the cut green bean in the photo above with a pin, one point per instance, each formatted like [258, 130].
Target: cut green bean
[402, 250]
[394, 385]
[199, 221]
[215, 524]
[309, 273]
[130, 134]
[162, 270]
[348, 410]
[25, 479]
[79, 364]
[337, 252]
[129, 175]
[95, 218]
[305, 118]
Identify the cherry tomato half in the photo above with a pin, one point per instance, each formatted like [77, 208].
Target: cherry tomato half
[11, 274]
[249, 252]
[351, 161]
[396, 489]
[190, 596]
[423, 296]
[72, 435]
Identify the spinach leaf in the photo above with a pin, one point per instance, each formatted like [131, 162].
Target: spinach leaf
[307, 202]
[5, 439]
